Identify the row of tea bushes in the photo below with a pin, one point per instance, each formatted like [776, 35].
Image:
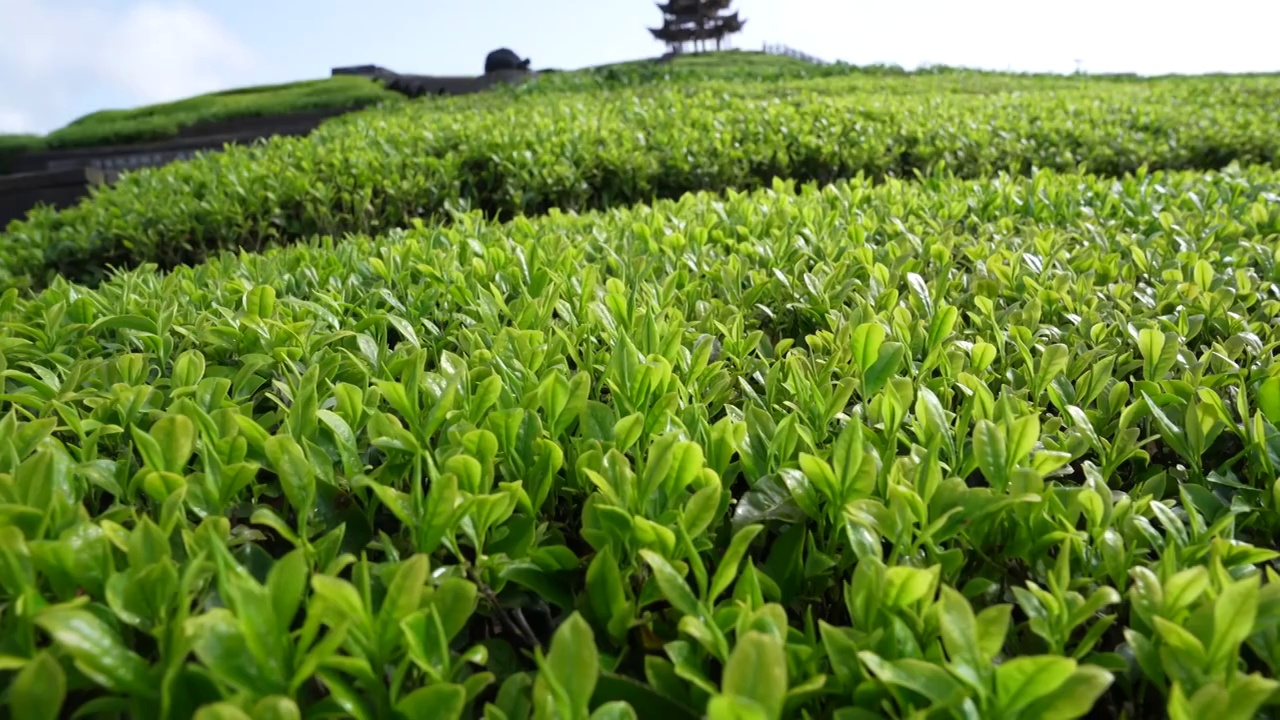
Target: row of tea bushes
[770, 73]
[972, 449]
[166, 120]
[377, 170]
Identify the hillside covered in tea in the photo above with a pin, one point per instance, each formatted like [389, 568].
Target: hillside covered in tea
[672, 391]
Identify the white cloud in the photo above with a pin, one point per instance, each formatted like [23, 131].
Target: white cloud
[175, 50]
[1142, 36]
[14, 122]
[58, 56]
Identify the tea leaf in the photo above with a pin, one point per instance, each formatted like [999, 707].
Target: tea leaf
[757, 671]
[441, 701]
[673, 586]
[97, 650]
[38, 691]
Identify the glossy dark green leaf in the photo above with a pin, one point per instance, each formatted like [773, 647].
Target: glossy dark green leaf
[1075, 697]
[276, 707]
[97, 650]
[439, 701]
[1173, 435]
[455, 600]
[607, 594]
[297, 477]
[727, 568]
[768, 500]
[260, 302]
[673, 585]
[352, 702]
[757, 671]
[1024, 680]
[404, 597]
[221, 711]
[219, 642]
[287, 584]
[885, 366]
[570, 671]
[991, 448]
[959, 628]
[341, 596]
[175, 435]
[867, 339]
[38, 690]
[929, 680]
[1269, 399]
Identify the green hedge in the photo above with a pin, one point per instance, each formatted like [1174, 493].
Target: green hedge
[508, 154]
[998, 448]
[732, 66]
[167, 120]
[159, 122]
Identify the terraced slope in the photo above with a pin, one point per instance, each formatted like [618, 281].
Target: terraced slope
[970, 448]
[526, 153]
[165, 120]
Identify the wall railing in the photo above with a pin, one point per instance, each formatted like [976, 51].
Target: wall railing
[778, 49]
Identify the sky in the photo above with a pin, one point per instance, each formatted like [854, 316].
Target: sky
[60, 59]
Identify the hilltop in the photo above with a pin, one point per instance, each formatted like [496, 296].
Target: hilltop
[171, 119]
[152, 122]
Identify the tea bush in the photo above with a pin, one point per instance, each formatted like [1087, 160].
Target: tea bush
[996, 448]
[514, 153]
[166, 120]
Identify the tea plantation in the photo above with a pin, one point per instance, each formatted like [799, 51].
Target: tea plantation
[167, 120]
[945, 395]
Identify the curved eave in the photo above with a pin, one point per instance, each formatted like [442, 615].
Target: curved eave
[687, 6]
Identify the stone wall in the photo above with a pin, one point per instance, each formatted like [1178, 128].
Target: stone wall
[421, 85]
[59, 188]
[203, 137]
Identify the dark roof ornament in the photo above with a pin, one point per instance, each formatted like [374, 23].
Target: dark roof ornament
[504, 59]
